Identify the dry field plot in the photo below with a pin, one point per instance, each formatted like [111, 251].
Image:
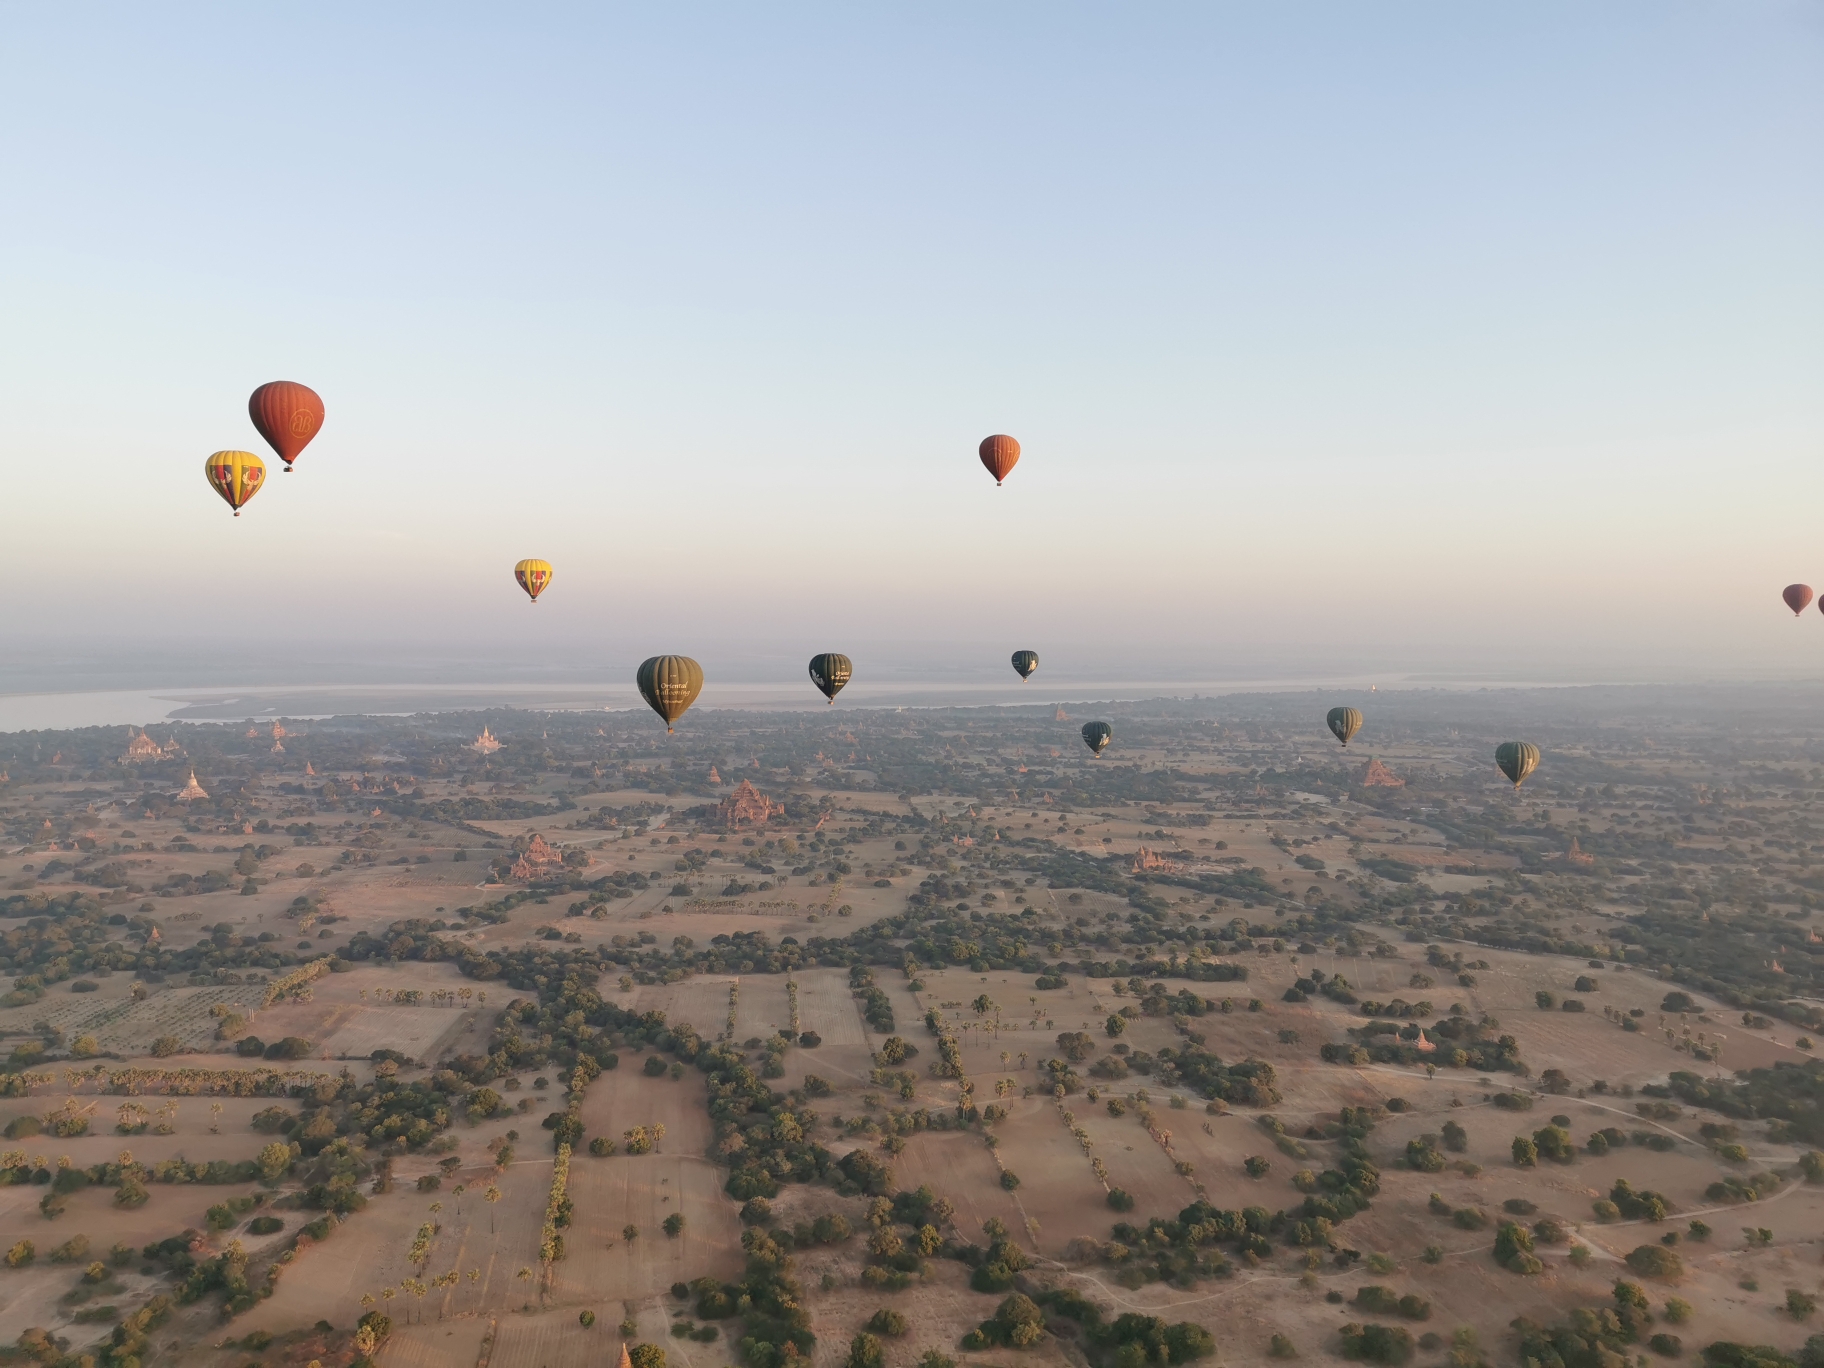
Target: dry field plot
[958, 1166]
[1058, 1189]
[122, 1026]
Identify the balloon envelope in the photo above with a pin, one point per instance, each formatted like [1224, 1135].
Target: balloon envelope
[288, 415]
[669, 684]
[1025, 662]
[1517, 759]
[1344, 722]
[236, 476]
[829, 672]
[1097, 735]
[999, 454]
[1798, 597]
[534, 577]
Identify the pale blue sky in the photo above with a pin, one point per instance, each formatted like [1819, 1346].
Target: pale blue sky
[1337, 334]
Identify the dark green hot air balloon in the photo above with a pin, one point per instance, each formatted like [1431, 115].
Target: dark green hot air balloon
[1344, 722]
[669, 684]
[1097, 735]
[829, 672]
[1025, 662]
[1517, 759]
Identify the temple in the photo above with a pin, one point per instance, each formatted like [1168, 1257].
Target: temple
[143, 747]
[1146, 861]
[536, 857]
[1577, 855]
[715, 776]
[485, 744]
[747, 804]
[1377, 775]
[192, 791]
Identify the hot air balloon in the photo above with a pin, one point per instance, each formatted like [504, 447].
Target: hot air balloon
[1097, 735]
[1344, 722]
[288, 415]
[669, 684]
[236, 476]
[1000, 454]
[534, 577]
[1798, 598]
[1517, 759]
[1025, 662]
[829, 672]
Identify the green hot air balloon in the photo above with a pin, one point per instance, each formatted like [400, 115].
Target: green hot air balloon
[1025, 662]
[1344, 723]
[829, 672]
[670, 684]
[1517, 759]
[1097, 735]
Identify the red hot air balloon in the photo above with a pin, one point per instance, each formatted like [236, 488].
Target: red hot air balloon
[288, 415]
[1798, 598]
[1000, 455]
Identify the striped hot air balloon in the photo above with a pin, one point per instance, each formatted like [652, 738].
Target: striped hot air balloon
[1025, 662]
[1517, 759]
[236, 476]
[1097, 735]
[1344, 723]
[534, 577]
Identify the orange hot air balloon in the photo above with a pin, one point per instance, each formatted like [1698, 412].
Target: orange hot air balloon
[1798, 597]
[236, 476]
[288, 415]
[1000, 454]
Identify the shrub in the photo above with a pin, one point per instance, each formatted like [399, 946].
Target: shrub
[674, 1224]
[166, 1046]
[1282, 1348]
[585, 1319]
[1009, 1179]
[601, 1146]
[265, 1225]
[21, 1254]
[756, 1211]
[1669, 1345]
[1120, 1200]
[1514, 1249]
[647, 1356]
[1377, 1343]
[887, 1322]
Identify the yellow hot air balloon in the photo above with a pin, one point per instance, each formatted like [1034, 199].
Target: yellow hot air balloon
[236, 476]
[534, 577]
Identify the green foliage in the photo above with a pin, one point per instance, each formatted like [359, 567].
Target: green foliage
[1373, 1343]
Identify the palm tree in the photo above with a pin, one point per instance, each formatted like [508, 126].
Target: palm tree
[493, 1196]
[457, 1192]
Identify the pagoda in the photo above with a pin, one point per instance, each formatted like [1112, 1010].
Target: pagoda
[1577, 855]
[192, 791]
[1377, 775]
[278, 730]
[747, 804]
[485, 744]
[715, 776]
[278, 746]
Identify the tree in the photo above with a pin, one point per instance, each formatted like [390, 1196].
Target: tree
[674, 1224]
[1116, 1024]
[647, 1356]
[1655, 1261]
[274, 1161]
[1456, 1139]
[1514, 1249]
[865, 1351]
[1526, 1153]
[1256, 1165]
